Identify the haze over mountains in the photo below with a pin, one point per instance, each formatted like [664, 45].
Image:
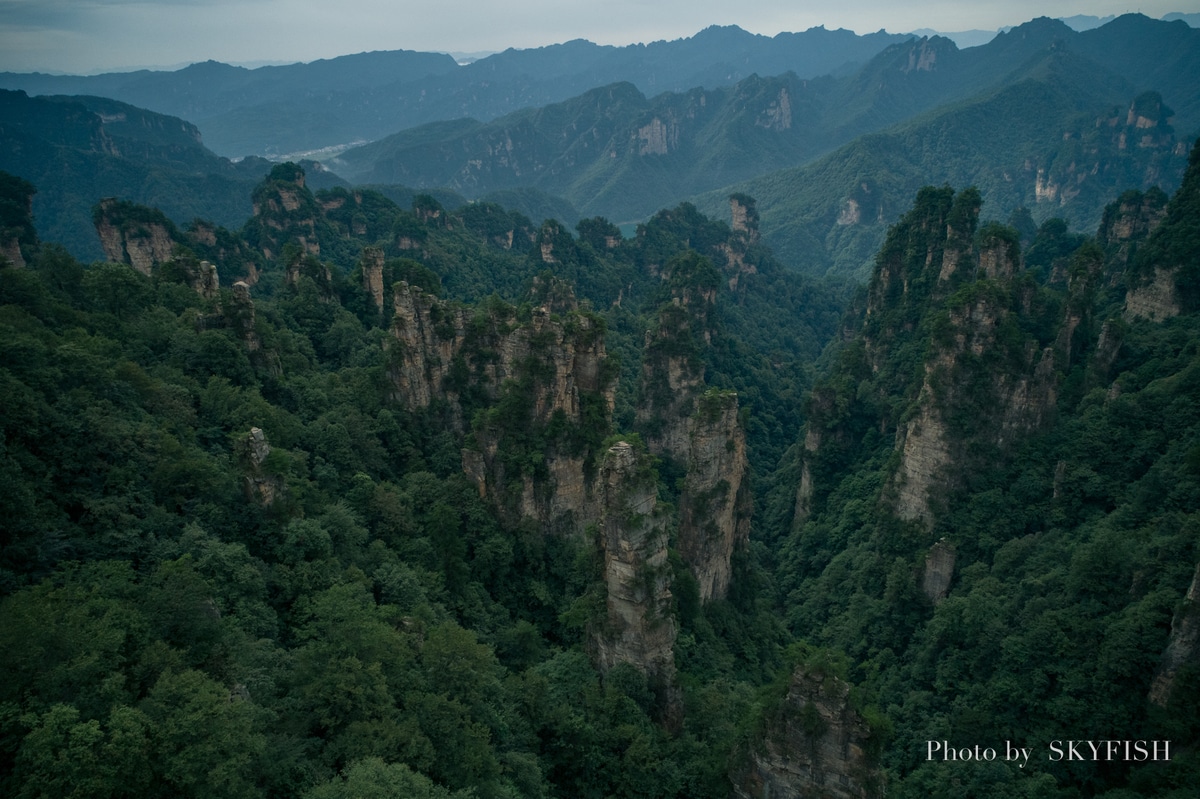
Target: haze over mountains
[303, 107]
[623, 131]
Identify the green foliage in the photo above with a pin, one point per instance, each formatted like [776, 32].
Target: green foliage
[377, 627]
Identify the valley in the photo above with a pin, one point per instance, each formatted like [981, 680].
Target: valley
[407, 472]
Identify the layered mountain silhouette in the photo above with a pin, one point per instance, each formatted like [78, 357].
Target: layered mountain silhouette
[304, 107]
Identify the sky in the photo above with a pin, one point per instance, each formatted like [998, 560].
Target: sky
[88, 36]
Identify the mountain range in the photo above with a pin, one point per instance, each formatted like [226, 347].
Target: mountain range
[274, 111]
[614, 152]
[1071, 133]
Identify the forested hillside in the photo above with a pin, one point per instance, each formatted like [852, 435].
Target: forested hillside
[360, 499]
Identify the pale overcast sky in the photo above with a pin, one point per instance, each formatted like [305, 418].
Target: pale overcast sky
[84, 36]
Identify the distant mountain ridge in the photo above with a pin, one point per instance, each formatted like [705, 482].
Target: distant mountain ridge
[304, 107]
[615, 152]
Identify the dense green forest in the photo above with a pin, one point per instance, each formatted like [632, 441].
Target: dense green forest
[244, 555]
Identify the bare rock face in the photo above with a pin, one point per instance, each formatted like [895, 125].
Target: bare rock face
[550, 369]
[972, 364]
[744, 214]
[1183, 647]
[1128, 221]
[1018, 401]
[939, 571]
[241, 313]
[715, 507]
[140, 237]
[19, 237]
[11, 250]
[372, 274]
[262, 488]
[285, 211]
[812, 746]
[924, 459]
[639, 628]
[1156, 300]
[208, 283]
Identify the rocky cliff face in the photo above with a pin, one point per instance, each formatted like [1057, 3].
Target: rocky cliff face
[745, 234]
[372, 274]
[241, 317]
[812, 746]
[715, 506]
[1127, 223]
[999, 392]
[1162, 277]
[939, 571]
[1183, 648]
[140, 237]
[285, 211]
[639, 628]
[959, 307]
[10, 249]
[262, 488]
[697, 429]
[18, 237]
[546, 381]
[1155, 300]
[672, 366]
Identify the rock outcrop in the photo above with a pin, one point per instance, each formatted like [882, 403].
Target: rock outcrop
[1161, 278]
[18, 237]
[262, 488]
[10, 250]
[135, 235]
[545, 384]
[1155, 300]
[285, 212]
[228, 251]
[639, 628]
[813, 745]
[745, 234]
[1183, 647]
[939, 571]
[715, 506]
[672, 363]
[959, 306]
[695, 429]
[980, 381]
[1126, 223]
[241, 317]
[372, 275]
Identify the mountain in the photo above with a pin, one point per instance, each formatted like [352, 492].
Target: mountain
[609, 151]
[78, 150]
[1060, 152]
[614, 152]
[306, 107]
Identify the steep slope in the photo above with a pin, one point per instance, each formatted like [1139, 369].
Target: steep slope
[83, 149]
[999, 462]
